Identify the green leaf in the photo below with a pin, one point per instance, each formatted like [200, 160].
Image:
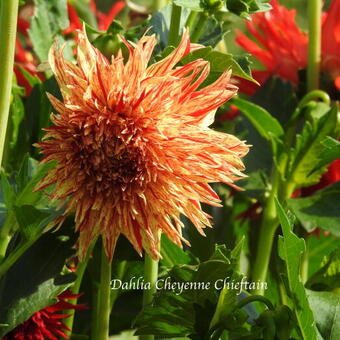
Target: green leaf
[245, 7]
[330, 153]
[267, 126]
[220, 62]
[290, 249]
[34, 281]
[319, 210]
[8, 192]
[28, 196]
[326, 310]
[328, 276]
[49, 19]
[32, 221]
[319, 248]
[278, 97]
[172, 254]
[188, 312]
[308, 149]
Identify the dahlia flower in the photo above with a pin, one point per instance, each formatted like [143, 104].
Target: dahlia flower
[330, 63]
[132, 145]
[47, 323]
[278, 43]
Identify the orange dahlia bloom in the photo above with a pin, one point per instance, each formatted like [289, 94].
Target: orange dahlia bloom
[132, 145]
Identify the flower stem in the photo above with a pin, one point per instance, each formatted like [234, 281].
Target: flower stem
[199, 27]
[76, 287]
[191, 20]
[174, 25]
[5, 234]
[267, 233]
[119, 276]
[8, 28]
[314, 45]
[150, 275]
[102, 322]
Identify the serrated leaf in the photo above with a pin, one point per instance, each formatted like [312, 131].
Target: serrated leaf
[180, 313]
[290, 249]
[326, 310]
[32, 221]
[319, 210]
[220, 62]
[49, 19]
[266, 125]
[330, 153]
[245, 7]
[308, 149]
[34, 281]
[172, 254]
[28, 196]
[328, 276]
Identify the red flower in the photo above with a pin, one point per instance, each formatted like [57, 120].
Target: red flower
[47, 323]
[331, 42]
[104, 20]
[277, 42]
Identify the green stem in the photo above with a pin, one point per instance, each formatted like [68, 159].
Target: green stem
[314, 45]
[76, 287]
[158, 4]
[191, 20]
[174, 25]
[8, 28]
[119, 275]
[267, 232]
[150, 275]
[101, 331]
[5, 234]
[199, 27]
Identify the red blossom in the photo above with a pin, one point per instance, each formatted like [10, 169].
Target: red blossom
[277, 42]
[47, 323]
[331, 42]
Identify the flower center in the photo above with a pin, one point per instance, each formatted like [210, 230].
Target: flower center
[110, 161]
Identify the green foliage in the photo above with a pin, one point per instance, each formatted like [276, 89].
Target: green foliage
[245, 7]
[220, 62]
[242, 8]
[267, 126]
[172, 254]
[329, 154]
[16, 141]
[34, 281]
[326, 310]
[319, 210]
[309, 148]
[290, 249]
[189, 312]
[50, 18]
[328, 276]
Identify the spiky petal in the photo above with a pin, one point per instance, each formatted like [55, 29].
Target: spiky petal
[132, 143]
